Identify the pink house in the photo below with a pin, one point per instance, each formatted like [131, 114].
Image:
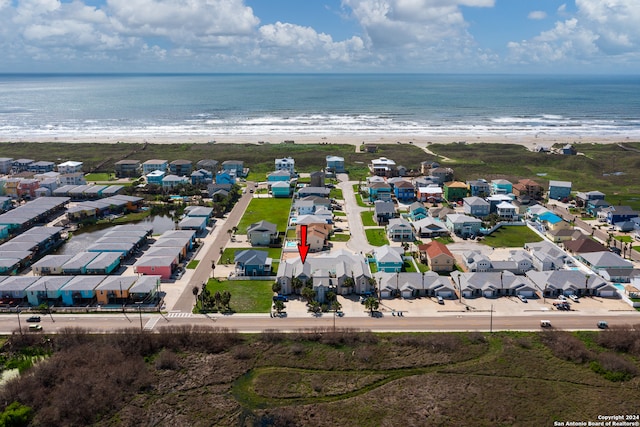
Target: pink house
[155, 265]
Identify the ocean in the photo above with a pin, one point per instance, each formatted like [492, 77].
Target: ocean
[148, 105]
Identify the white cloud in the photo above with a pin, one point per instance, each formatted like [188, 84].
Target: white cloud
[600, 31]
[537, 15]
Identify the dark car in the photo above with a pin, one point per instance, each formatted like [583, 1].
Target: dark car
[282, 298]
[33, 319]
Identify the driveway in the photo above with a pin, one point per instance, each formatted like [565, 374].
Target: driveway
[358, 240]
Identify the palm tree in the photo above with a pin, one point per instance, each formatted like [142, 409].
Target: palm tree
[309, 294]
[279, 306]
[217, 297]
[226, 299]
[296, 284]
[276, 287]
[371, 304]
[195, 292]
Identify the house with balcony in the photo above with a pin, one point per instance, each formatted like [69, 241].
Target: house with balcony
[430, 227]
[41, 166]
[379, 191]
[181, 167]
[27, 188]
[208, 164]
[69, 167]
[430, 194]
[586, 196]
[73, 178]
[154, 165]
[479, 188]
[383, 167]
[404, 190]
[6, 163]
[616, 214]
[399, 230]
[475, 206]
[287, 164]
[235, 168]
[501, 186]
[455, 191]
[507, 211]
[170, 182]
[201, 176]
[463, 225]
[417, 211]
[383, 211]
[21, 165]
[388, 259]
[127, 168]
[335, 164]
[440, 175]
[251, 262]
[155, 177]
[437, 256]
[281, 189]
[262, 233]
[559, 190]
[527, 189]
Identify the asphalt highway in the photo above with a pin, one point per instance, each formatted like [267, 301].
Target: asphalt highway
[262, 322]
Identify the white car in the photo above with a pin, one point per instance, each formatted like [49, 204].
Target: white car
[573, 297]
[562, 298]
[522, 298]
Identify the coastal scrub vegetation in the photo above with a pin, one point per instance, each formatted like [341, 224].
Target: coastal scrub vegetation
[193, 375]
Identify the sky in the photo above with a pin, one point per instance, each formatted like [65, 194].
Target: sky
[320, 36]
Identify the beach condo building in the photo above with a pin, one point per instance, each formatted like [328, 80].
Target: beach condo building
[181, 167]
[155, 177]
[225, 178]
[74, 178]
[41, 167]
[479, 188]
[335, 164]
[70, 167]
[527, 188]
[208, 164]
[127, 168]
[286, 164]
[501, 186]
[234, 168]
[170, 182]
[5, 165]
[21, 165]
[559, 190]
[455, 191]
[154, 165]
[383, 167]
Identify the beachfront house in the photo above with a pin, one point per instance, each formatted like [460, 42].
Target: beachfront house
[287, 164]
[154, 165]
[127, 168]
[335, 164]
[559, 190]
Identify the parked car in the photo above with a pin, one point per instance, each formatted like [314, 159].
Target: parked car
[602, 324]
[440, 299]
[282, 298]
[33, 319]
[573, 298]
[522, 298]
[338, 230]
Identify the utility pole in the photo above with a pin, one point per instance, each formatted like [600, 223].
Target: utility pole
[491, 320]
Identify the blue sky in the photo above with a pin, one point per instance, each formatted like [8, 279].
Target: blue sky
[431, 36]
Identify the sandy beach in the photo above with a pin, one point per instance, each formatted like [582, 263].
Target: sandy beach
[529, 141]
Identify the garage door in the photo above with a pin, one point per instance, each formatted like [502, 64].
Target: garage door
[607, 294]
[385, 294]
[528, 294]
[444, 294]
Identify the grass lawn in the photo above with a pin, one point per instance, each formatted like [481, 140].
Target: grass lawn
[247, 296]
[336, 193]
[422, 267]
[376, 236]
[339, 213]
[193, 264]
[372, 266]
[99, 177]
[229, 254]
[272, 210]
[359, 200]
[624, 239]
[445, 240]
[367, 219]
[408, 267]
[340, 238]
[514, 236]
[130, 217]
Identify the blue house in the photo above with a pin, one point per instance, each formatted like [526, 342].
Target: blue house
[155, 177]
[281, 189]
[479, 188]
[417, 211]
[46, 288]
[201, 176]
[559, 190]
[224, 177]
[80, 290]
[379, 191]
[616, 214]
[335, 164]
[404, 190]
[252, 262]
[549, 218]
[280, 175]
[388, 259]
[501, 186]
[233, 167]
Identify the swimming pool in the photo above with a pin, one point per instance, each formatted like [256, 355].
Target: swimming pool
[620, 286]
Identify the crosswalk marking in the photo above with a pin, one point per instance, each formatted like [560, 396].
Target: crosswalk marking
[179, 314]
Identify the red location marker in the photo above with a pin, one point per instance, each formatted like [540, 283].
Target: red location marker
[303, 246]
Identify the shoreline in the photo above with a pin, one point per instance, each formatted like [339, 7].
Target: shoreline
[527, 140]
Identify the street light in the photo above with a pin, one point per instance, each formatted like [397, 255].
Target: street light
[140, 313]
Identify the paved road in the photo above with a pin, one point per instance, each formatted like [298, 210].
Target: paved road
[203, 271]
[261, 322]
[358, 239]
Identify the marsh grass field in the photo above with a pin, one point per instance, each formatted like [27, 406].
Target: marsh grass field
[197, 376]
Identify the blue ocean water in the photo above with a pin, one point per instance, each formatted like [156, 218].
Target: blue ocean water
[117, 106]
